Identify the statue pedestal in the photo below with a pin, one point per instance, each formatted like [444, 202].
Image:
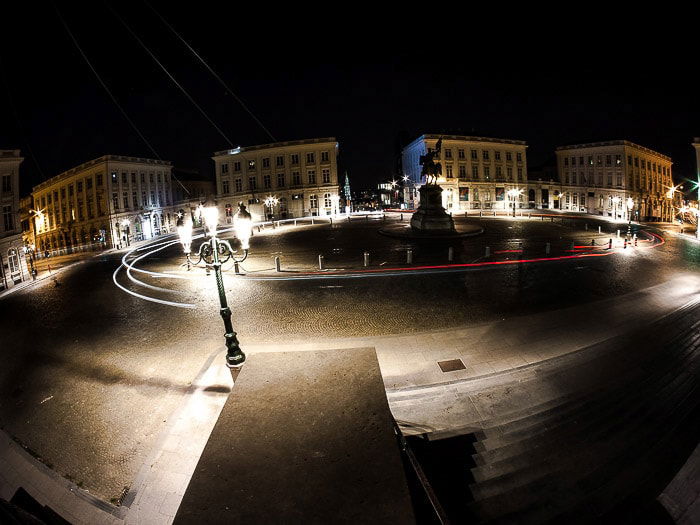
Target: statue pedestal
[430, 215]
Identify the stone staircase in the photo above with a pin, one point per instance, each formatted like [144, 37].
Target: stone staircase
[627, 418]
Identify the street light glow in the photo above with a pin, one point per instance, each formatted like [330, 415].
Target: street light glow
[185, 232]
[211, 218]
[243, 224]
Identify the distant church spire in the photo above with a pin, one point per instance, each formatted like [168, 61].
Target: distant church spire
[346, 191]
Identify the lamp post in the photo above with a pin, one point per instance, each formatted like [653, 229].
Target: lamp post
[616, 200]
[29, 254]
[215, 252]
[512, 193]
[270, 203]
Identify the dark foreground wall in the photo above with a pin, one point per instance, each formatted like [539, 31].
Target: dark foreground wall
[305, 437]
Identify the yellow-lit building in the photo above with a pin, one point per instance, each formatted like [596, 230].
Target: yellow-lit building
[302, 175]
[108, 202]
[477, 172]
[12, 263]
[601, 178]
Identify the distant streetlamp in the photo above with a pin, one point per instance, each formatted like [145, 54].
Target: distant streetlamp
[215, 252]
[513, 193]
[29, 254]
[616, 200]
[270, 203]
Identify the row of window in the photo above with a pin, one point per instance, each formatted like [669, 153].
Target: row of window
[281, 181]
[282, 203]
[485, 154]
[125, 177]
[617, 161]
[279, 161]
[145, 201]
[449, 172]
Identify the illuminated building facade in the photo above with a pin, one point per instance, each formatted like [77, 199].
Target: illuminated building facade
[108, 202]
[301, 174]
[12, 265]
[600, 178]
[477, 172]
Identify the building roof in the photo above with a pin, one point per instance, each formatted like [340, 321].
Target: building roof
[432, 136]
[302, 142]
[614, 143]
[94, 162]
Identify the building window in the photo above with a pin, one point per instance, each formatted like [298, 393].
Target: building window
[6, 183]
[566, 162]
[619, 180]
[629, 160]
[133, 178]
[114, 177]
[475, 172]
[499, 172]
[609, 179]
[266, 162]
[296, 178]
[143, 178]
[509, 172]
[251, 165]
[520, 174]
[124, 180]
[267, 182]
[80, 187]
[63, 193]
[252, 183]
[487, 172]
[448, 153]
[115, 201]
[485, 154]
[70, 190]
[573, 178]
[224, 168]
[462, 172]
[519, 156]
[280, 180]
[324, 156]
[225, 187]
[144, 200]
[98, 178]
[327, 200]
[134, 200]
[326, 174]
[313, 201]
[311, 174]
[295, 159]
[7, 218]
[509, 156]
[497, 155]
[599, 160]
[608, 160]
[237, 166]
[448, 171]
[580, 161]
[238, 184]
[150, 177]
[474, 155]
[125, 198]
[279, 161]
[618, 160]
[573, 161]
[153, 199]
[590, 160]
[310, 159]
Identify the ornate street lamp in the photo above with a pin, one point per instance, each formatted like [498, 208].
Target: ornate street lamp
[271, 202]
[616, 200]
[29, 253]
[215, 252]
[513, 193]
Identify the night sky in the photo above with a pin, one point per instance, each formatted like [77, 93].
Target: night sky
[372, 83]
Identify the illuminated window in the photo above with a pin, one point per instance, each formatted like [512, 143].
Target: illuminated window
[327, 200]
[114, 176]
[251, 165]
[313, 201]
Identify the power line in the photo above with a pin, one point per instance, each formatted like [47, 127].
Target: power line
[111, 96]
[169, 75]
[217, 77]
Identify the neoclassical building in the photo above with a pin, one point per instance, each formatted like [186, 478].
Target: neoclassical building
[107, 202]
[301, 174]
[600, 178]
[477, 172]
[12, 258]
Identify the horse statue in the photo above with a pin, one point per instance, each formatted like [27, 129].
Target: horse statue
[431, 169]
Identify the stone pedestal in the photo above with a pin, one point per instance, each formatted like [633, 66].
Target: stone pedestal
[430, 215]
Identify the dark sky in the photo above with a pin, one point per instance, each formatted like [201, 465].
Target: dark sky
[372, 83]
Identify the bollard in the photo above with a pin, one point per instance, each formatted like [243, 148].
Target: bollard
[529, 215]
[409, 256]
[625, 246]
[277, 264]
[295, 222]
[542, 217]
[331, 221]
[450, 253]
[487, 252]
[366, 261]
[599, 229]
[547, 248]
[312, 221]
[610, 244]
[348, 218]
[592, 242]
[236, 267]
[401, 218]
[552, 219]
[480, 213]
[494, 213]
[366, 218]
[320, 262]
[635, 240]
[383, 218]
[258, 228]
[618, 234]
